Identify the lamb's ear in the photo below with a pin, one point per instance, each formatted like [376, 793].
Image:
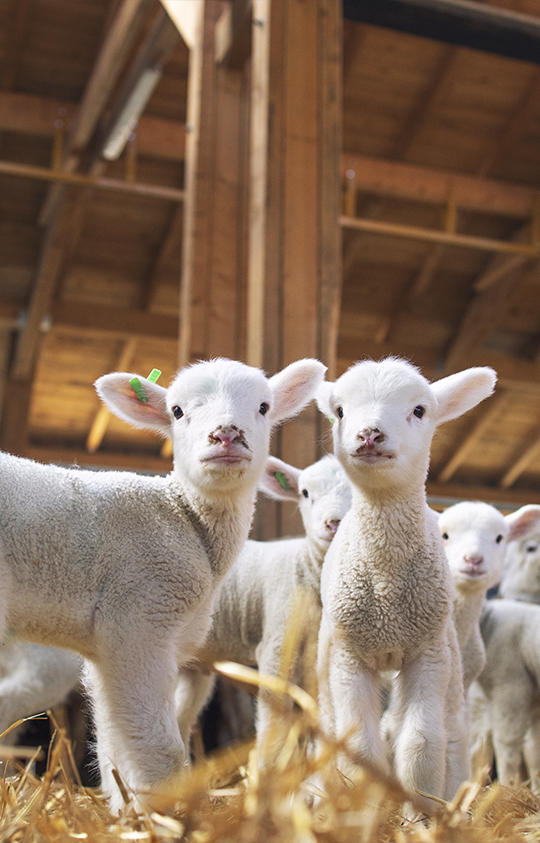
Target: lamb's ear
[118, 394]
[523, 521]
[324, 393]
[280, 480]
[294, 387]
[459, 393]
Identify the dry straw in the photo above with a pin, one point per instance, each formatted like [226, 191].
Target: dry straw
[296, 796]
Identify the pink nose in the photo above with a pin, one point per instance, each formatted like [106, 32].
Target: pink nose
[474, 561]
[333, 524]
[371, 435]
[226, 436]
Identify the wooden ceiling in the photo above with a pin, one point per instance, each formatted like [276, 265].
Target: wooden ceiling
[440, 221]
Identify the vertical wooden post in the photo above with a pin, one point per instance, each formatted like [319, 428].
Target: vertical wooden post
[294, 274]
[213, 276]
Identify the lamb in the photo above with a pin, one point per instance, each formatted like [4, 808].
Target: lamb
[256, 597]
[385, 586]
[521, 573]
[476, 537]
[123, 568]
[505, 700]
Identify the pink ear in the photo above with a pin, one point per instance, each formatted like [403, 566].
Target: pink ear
[523, 521]
[459, 393]
[118, 394]
[280, 480]
[294, 387]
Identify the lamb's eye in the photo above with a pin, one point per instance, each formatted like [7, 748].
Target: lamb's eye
[419, 411]
[305, 493]
[445, 536]
[499, 539]
[532, 548]
[339, 412]
[177, 412]
[263, 409]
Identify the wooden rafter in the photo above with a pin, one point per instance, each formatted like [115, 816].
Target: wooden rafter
[492, 410]
[522, 463]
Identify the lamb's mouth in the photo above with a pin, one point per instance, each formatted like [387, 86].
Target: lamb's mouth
[371, 456]
[227, 458]
[473, 575]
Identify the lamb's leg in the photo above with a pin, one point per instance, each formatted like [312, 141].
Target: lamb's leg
[136, 727]
[356, 703]
[481, 740]
[511, 717]
[531, 751]
[271, 708]
[418, 697]
[193, 690]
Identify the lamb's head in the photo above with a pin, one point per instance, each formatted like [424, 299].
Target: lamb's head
[474, 536]
[384, 415]
[322, 490]
[521, 572]
[219, 415]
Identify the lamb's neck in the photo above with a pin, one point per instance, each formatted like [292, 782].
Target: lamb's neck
[396, 519]
[222, 522]
[311, 565]
[467, 611]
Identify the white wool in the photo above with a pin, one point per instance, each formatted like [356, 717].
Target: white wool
[386, 588]
[255, 600]
[505, 708]
[123, 568]
[521, 573]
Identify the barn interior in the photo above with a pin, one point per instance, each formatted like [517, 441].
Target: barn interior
[268, 180]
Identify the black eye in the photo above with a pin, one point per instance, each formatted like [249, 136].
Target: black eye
[305, 493]
[419, 411]
[499, 539]
[445, 536]
[177, 412]
[263, 409]
[339, 411]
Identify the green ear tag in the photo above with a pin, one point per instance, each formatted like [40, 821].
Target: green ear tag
[138, 390]
[331, 421]
[154, 375]
[282, 480]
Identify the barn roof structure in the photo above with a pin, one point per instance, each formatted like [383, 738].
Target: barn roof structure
[266, 180]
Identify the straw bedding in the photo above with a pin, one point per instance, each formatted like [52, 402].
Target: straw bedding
[298, 798]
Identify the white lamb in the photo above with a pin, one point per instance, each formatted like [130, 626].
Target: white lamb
[256, 597]
[123, 568]
[521, 573]
[475, 537]
[386, 588]
[505, 700]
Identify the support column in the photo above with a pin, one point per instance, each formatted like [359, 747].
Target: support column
[294, 269]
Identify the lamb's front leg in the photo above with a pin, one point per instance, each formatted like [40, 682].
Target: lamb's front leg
[419, 695]
[133, 699]
[355, 700]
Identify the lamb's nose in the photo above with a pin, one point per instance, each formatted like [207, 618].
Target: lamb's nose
[371, 436]
[225, 435]
[474, 561]
[333, 524]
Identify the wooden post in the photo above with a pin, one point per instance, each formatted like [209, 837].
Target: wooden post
[294, 270]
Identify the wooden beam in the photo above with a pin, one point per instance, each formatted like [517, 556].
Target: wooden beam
[481, 317]
[528, 456]
[232, 39]
[506, 500]
[430, 185]
[190, 181]
[114, 322]
[491, 411]
[17, 25]
[33, 115]
[479, 26]
[154, 191]
[432, 235]
[102, 459]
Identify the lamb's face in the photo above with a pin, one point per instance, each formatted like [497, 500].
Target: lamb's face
[220, 422]
[325, 495]
[521, 577]
[474, 536]
[384, 421]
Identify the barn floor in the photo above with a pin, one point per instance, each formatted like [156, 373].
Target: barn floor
[224, 798]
